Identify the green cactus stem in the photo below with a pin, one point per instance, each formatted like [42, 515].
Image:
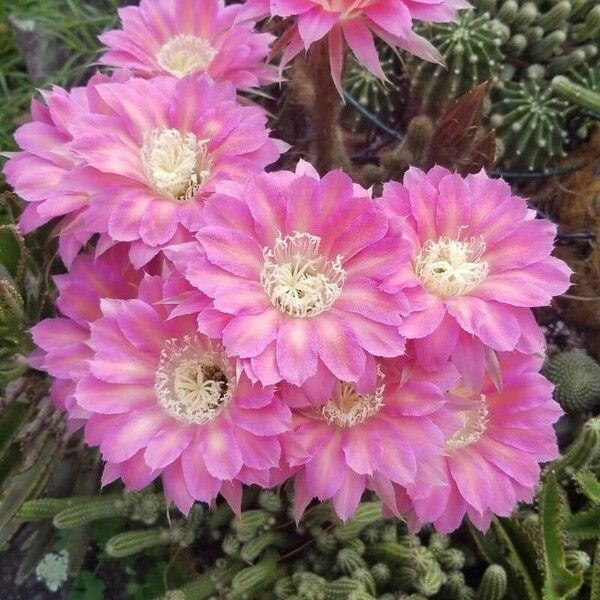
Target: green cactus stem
[493, 584]
[576, 94]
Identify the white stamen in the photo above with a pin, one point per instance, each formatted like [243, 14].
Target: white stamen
[194, 381]
[177, 164]
[185, 54]
[349, 408]
[450, 267]
[298, 280]
[475, 422]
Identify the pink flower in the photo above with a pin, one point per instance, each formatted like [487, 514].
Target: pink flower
[479, 260]
[369, 440]
[184, 37]
[294, 266]
[39, 171]
[62, 341]
[155, 149]
[496, 440]
[355, 22]
[165, 400]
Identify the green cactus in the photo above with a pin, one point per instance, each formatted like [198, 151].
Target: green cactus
[493, 584]
[251, 580]
[251, 522]
[471, 48]
[584, 450]
[576, 94]
[253, 548]
[515, 42]
[530, 122]
[456, 587]
[577, 561]
[378, 97]
[348, 560]
[102, 507]
[577, 379]
[342, 588]
[132, 542]
[366, 513]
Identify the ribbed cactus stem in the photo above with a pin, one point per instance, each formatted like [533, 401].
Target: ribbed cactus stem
[576, 377]
[341, 589]
[576, 94]
[577, 561]
[348, 560]
[251, 522]
[103, 507]
[47, 508]
[547, 45]
[366, 513]
[583, 450]
[251, 580]
[587, 30]
[252, 549]
[132, 542]
[508, 11]
[561, 64]
[201, 588]
[493, 584]
[391, 553]
[554, 18]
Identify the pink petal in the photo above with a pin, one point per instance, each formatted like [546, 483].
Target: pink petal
[296, 350]
[220, 450]
[347, 498]
[315, 24]
[175, 488]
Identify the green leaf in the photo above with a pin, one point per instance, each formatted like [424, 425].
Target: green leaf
[589, 485]
[595, 583]
[87, 586]
[522, 557]
[584, 525]
[559, 582]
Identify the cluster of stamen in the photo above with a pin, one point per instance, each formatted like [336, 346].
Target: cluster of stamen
[349, 408]
[298, 280]
[185, 54]
[177, 164]
[194, 380]
[450, 267]
[475, 422]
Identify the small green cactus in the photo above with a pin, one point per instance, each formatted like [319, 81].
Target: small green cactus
[471, 48]
[493, 584]
[530, 121]
[132, 542]
[576, 94]
[584, 450]
[577, 379]
[348, 560]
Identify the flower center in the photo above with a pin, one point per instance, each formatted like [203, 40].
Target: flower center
[349, 408]
[194, 380]
[299, 281]
[185, 54]
[475, 423]
[177, 164]
[451, 267]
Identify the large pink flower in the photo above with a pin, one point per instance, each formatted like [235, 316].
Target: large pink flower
[62, 341]
[154, 151]
[38, 172]
[372, 440]
[183, 37]
[294, 265]
[479, 260]
[355, 22]
[164, 399]
[496, 440]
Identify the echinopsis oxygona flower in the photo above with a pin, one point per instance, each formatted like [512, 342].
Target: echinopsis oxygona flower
[138, 160]
[479, 260]
[187, 37]
[176, 405]
[354, 23]
[63, 341]
[495, 440]
[356, 441]
[293, 265]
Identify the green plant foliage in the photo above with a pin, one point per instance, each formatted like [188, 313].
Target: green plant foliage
[577, 379]
[86, 586]
[559, 582]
